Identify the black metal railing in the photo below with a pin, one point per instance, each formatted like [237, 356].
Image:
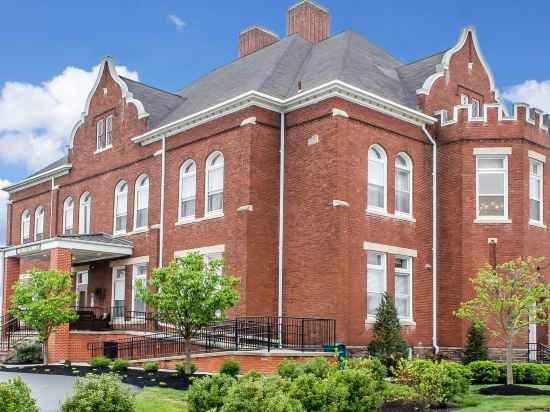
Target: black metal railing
[538, 352]
[115, 318]
[240, 334]
[12, 330]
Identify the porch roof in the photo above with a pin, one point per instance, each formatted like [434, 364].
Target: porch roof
[84, 248]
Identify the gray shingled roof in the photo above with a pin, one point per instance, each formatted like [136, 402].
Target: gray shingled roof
[100, 237]
[51, 166]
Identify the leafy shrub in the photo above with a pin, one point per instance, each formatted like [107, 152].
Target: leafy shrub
[484, 372]
[363, 392]
[151, 367]
[100, 393]
[28, 352]
[319, 367]
[476, 344]
[208, 393]
[180, 368]
[15, 396]
[373, 365]
[394, 392]
[231, 368]
[100, 362]
[289, 370]
[436, 383]
[537, 374]
[120, 365]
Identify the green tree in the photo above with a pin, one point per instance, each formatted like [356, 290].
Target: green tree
[476, 344]
[387, 345]
[507, 298]
[43, 302]
[189, 294]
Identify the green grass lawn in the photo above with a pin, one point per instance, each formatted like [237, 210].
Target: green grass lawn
[481, 403]
[170, 400]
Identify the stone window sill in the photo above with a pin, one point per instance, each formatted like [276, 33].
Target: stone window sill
[192, 220]
[104, 149]
[539, 225]
[396, 216]
[493, 221]
[135, 232]
[402, 322]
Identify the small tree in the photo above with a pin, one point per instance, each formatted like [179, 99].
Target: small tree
[43, 302]
[388, 345]
[507, 298]
[476, 344]
[189, 294]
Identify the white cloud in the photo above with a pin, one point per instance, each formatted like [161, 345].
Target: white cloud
[36, 120]
[535, 93]
[177, 21]
[3, 210]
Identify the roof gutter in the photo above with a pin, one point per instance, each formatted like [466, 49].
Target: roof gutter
[40, 178]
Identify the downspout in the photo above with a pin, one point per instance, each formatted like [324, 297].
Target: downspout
[434, 239]
[162, 177]
[281, 226]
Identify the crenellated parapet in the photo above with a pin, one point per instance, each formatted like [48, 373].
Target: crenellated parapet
[494, 121]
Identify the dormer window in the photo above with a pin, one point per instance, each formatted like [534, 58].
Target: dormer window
[109, 131]
[104, 133]
[100, 134]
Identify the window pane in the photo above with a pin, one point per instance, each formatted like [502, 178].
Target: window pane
[141, 217]
[375, 280]
[215, 202]
[373, 302]
[374, 258]
[403, 202]
[534, 210]
[483, 163]
[188, 208]
[491, 205]
[491, 183]
[188, 186]
[402, 284]
[121, 222]
[376, 173]
[402, 181]
[534, 188]
[142, 199]
[215, 179]
[401, 263]
[376, 195]
[402, 306]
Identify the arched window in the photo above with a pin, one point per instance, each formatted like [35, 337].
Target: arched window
[121, 207]
[26, 227]
[377, 183]
[141, 203]
[188, 190]
[403, 185]
[39, 224]
[85, 213]
[214, 183]
[68, 212]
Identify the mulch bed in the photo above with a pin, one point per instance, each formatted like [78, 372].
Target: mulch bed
[410, 406]
[135, 377]
[513, 390]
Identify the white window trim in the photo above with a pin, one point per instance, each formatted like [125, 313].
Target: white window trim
[81, 287]
[474, 103]
[398, 214]
[493, 155]
[135, 268]
[207, 250]
[65, 209]
[408, 272]
[190, 218]
[384, 268]
[136, 190]
[129, 262]
[464, 99]
[87, 222]
[392, 250]
[114, 272]
[117, 192]
[497, 151]
[540, 222]
[384, 161]
[100, 126]
[25, 221]
[218, 212]
[107, 120]
[36, 225]
[537, 156]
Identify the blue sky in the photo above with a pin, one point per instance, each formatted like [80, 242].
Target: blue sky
[49, 50]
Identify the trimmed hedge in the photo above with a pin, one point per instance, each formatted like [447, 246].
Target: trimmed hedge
[15, 396]
[488, 372]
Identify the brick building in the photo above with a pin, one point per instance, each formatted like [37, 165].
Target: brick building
[321, 168]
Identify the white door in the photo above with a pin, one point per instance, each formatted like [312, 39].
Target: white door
[532, 338]
[119, 284]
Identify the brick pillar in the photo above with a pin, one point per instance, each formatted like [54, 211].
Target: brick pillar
[59, 343]
[11, 275]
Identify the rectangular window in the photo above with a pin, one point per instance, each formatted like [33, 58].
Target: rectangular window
[188, 190]
[403, 287]
[142, 209]
[140, 277]
[100, 134]
[215, 189]
[376, 281]
[109, 131]
[121, 217]
[492, 187]
[463, 99]
[376, 184]
[535, 191]
[476, 108]
[402, 191]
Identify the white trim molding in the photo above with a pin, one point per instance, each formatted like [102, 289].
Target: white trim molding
[207, 250]
[39, 178]
[492, 151]
[392, 250]
[82, 268]
[537, 156]
[129, 262]
[108, 63]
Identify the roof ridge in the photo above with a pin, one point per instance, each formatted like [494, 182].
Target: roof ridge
[150, 87]
[425, 58]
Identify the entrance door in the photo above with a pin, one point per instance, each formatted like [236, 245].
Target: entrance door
[532, 338]
[81, 289]
[119, 284]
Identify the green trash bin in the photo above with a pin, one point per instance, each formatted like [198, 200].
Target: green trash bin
[339, 348]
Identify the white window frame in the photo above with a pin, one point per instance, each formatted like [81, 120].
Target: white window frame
[139, 189]
[26, 226]
[136, 276]
[409, 169]
[66, 209]
[120, 192]
[39, 223]
[384, 163]
[383, 268]
[81, 286]
[114, 274]
[185, 175]
[84, 218]
[540, 179]
[100, 135]
[409, 273]
[209, 169]
[464, 99]
[504, 170]
[109, 131]
[476, 108]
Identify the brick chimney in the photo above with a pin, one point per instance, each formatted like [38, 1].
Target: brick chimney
[309, 20]
[255, 38]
